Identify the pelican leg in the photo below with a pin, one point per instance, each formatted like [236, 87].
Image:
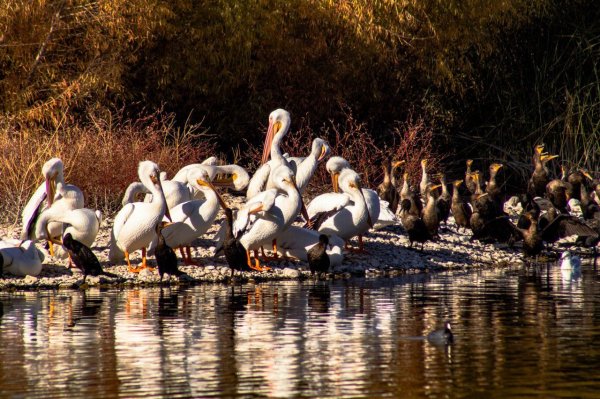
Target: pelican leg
[51, 247]
[256, 265]
[359, 250]
[130, 268]
[145, 261]
[275, 255]
[182, 253]
[188, 259]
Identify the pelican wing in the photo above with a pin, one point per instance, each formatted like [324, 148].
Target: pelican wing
[121, 218]
[246, 216]
[328, 202]
[32, 210]
[386, 216]
[259, 180]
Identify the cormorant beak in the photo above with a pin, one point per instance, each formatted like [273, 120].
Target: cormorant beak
[397, 164]
[458, 183]
[539, 149]
[335, 182]
[435, 187]
[546, 157]
[586, 174]
[271, 132]
[324, 152]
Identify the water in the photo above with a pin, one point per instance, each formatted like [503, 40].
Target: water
[520, 332]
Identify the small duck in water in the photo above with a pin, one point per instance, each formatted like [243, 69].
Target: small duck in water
[441, 336]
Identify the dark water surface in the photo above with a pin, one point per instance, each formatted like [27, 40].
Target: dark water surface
[518, 332]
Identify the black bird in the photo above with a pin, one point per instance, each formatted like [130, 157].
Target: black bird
[540, 176]
[414, 226]
[469, 182]
[387, 190]
[318, 260]
[166, 259]
[575, 180]
[83, 257]
[431, 213]
[557, 192]
[235, 253]
[416, 206]
[441, 336]
[459, 207]
[492, 188]
[444, 202]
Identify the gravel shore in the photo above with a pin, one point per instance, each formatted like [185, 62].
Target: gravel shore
[388, 254]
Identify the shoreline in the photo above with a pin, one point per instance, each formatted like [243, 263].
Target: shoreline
[388, 254]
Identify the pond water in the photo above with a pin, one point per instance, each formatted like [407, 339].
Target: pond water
[519, 332]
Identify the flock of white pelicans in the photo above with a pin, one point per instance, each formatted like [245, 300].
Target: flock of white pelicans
[190, 202]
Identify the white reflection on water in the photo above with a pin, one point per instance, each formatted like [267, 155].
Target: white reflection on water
[517, 330]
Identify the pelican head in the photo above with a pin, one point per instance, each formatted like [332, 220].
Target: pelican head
[334, 166]
[201, 180]
[279, 124]
[149, 174]
[320, 148]
[350, 181]
[53, 172]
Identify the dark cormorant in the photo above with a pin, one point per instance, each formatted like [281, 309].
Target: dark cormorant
[469, 182]
[83, 257]
[540, 177]
[460, 208]
[444, 202]
[166, 259]
[235, 253]
[441, 336]
[431, 214]
[416, 206]
[414, 226]
[386, 190]
[318, 260]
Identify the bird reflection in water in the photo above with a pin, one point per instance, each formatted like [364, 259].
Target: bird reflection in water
[319, 298]
[168, 303]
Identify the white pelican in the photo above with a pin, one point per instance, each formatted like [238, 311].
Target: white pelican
[134, 225]
[382, 218]
[83, 224]
[57, 194]
[279, 125]
[21, 258]
[193, 218]
[231, 176]
[343, 214]
[305, 167]
[256, 226]
[175, 192]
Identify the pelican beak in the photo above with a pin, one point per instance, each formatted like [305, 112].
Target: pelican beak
[271, 132]
[546, 157]
[156, 181]
[324, 152]
[334, 182]
[369, 220]
[227, 181]
[208, 184]
[302, 206]
[50, 191]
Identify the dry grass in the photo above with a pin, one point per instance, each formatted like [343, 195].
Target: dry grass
[100, 158]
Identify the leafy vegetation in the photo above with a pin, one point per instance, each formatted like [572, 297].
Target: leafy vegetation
[488, 78]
